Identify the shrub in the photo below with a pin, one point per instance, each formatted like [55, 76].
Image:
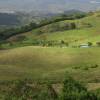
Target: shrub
[97, 93]
[98, 43]
[90, 43]
[76, 67]
[94, 66]
[48, 93]
[73, 26]
[22, 90]
[73, 90]
[85, 68]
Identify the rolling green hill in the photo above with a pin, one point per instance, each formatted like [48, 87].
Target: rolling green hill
[46, 62]
[39, 62]
[50, 63]
[85, 30]
[46, 53]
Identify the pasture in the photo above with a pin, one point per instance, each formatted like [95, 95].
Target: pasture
[38, 63]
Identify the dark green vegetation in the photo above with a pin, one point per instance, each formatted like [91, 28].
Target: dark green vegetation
[28, 90]
[8, 19]
[5, 34]
[72, 90]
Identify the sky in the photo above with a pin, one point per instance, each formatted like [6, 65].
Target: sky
[49, 5]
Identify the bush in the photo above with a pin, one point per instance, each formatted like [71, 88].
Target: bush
[98, 43]
[85, 68]
[97, 93]
[94, 66]
[90, 43]
[23, 90]
[73, 90]
[48, 93]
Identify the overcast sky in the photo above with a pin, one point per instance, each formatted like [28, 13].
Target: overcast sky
[49, 5]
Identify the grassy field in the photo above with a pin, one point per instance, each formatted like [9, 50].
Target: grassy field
[50, 63]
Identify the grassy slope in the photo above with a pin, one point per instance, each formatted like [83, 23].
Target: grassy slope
[40, 63]
[82, 34]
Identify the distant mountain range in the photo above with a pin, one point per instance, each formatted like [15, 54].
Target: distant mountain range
[21, 18]
[12, 12]
[13, 19]
[9, 19]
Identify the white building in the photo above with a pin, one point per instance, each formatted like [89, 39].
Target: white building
[84, 46]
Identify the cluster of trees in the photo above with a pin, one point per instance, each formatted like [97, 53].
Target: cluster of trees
[91, 44]
[97, 43]
[4, 34]
[43, 43]
[50, 43]
[62, 18]
[57, 27]
[21, 41]
[72, 90]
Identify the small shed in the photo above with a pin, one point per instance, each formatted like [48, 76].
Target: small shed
[84, 46]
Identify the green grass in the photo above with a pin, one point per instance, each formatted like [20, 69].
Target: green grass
[49, 63]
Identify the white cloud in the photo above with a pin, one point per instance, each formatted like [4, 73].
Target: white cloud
[95, 2]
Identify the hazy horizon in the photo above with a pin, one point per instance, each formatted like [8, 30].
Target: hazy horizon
[49, 5]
